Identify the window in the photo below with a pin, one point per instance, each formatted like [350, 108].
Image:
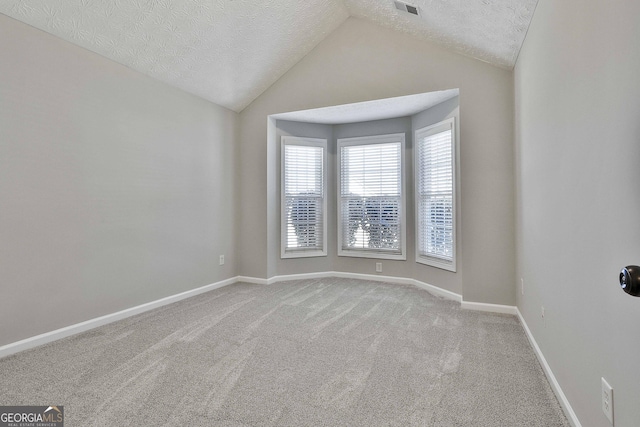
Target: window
[435, 195]
[304, 203]
[371, 203]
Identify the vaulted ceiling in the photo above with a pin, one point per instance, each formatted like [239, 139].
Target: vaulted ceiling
[230, 51]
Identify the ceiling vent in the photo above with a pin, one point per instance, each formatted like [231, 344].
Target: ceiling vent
[413, 10]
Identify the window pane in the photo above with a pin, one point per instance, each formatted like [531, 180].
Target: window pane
[303, 196]
[371, 197]
[303, 170]
[304, 222]
[436, 232]
[434, 170]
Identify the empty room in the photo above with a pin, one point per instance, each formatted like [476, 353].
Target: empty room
[320, 213]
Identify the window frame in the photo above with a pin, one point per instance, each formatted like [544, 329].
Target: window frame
[419, 134]
[372, 140]
[308, 142]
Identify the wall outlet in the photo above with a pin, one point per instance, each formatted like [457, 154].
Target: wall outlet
[607, 400]
[221, 259]
[378, 267]
[522, 285]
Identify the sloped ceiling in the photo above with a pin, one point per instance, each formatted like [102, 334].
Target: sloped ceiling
[230, 51]
[490, 30]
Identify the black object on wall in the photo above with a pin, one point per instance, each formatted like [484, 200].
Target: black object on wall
[630, 280]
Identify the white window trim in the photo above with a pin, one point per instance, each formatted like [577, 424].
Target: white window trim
[367, 140]
[447, 124]
[311, 142]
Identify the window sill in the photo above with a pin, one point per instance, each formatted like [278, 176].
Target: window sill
[434, 262]
[371, 254]
[302, 254]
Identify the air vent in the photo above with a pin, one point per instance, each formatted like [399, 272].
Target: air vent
[407, 8]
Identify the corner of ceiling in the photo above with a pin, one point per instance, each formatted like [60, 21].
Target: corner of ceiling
[246, 105]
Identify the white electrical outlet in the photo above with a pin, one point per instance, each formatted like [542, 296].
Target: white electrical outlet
[221, 259]
[522, 285]
[378, 267]
[607, 400]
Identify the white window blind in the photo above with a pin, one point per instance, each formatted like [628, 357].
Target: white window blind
[371, 196]
[304, 203]
[435, 195]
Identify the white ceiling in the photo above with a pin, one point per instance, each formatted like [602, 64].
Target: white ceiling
[230, 51]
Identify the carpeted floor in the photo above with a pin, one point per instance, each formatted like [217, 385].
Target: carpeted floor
[325, 352]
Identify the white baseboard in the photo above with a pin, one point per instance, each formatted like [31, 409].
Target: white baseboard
[404, 281]
[254, 280]
[113, 317]
[467, 305]
[346, 275]
[555, 386]
[492, 308]
[373, 277]
[48, 337]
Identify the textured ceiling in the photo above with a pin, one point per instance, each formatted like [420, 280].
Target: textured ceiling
[226, 51]
[490, 30]
[230, 51]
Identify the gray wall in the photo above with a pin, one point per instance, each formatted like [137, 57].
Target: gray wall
[361, 62]
[332, 133]
[578, 222]
[305, 265]
[332, 262]
[367, 265]
[115, 189]
[425, 273]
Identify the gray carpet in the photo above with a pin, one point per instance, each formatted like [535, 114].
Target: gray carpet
[325, 352]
